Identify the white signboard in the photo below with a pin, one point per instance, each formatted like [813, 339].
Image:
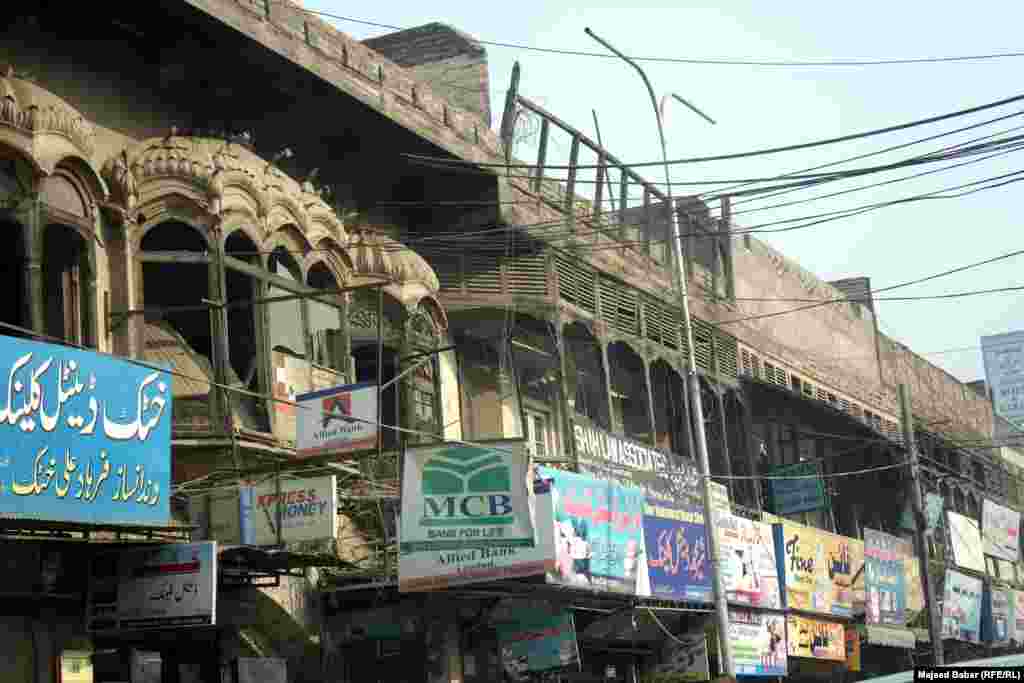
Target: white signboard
[337, 420]
[1000, 528]
[462, 506]
[965, 537]
[303, 510]
[162, 586]
[433, 570]
[1004, 372]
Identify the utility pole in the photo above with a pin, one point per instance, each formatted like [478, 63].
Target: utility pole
[934, 617]
[692, 380]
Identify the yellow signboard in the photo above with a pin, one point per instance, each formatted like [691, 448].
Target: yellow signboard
[815, 639]
[76, 667]
[819, 569]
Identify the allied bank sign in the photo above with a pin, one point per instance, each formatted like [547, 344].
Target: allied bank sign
[83, 437]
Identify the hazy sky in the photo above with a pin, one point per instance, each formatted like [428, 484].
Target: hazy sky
[758, 107]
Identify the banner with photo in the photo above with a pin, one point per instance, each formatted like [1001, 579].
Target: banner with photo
[1000, 530]
[598, 533]
[535, 640]
[676, 550]
[750, 573]
[884, 579]
[965, 538]
[961, 607]
[463, 504]
[758, 642]
[815, 639]
[818, 569]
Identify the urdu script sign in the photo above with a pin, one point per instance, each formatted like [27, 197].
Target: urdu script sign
[84, 437]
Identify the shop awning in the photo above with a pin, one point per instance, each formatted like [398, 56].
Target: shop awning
[96, 533]
[891, 636]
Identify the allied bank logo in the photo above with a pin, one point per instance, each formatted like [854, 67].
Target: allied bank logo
[337, 408]
[465, 486]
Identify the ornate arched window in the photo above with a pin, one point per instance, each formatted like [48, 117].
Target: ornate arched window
[629, 393]
[585, 376]
[327, 347]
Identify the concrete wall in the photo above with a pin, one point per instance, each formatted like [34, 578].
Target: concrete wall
[450, 62]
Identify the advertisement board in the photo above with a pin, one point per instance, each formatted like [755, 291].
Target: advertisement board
[1000, 530]
[290, 511]
[997, 618]
[161, 586]
[818, 569]
[433, 570]
[749, 571]
[789, 496]
[1004, 373]
[911, 579]
[676, 549]
[1016, 608]
[306, 510]
[336, 420]
[536, 641]
[852, 648]
[599, 541]
[758, 642]
[86, 437]
[961, 607]
[884, 579]
[815, 639]
[464, 503]
[630, 463]
[965, 539]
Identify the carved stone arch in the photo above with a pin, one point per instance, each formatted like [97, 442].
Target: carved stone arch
[289, 238]
[44, 127]
[239, 194]
[85, 174]
[239, 222]
[330, 253]
[285, 210]
[323, 222]
[436, 311]
[170, 207]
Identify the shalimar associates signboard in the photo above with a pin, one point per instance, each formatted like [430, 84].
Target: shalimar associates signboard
[631, 463]
[86, 437]
[463, 506]
[789, 496]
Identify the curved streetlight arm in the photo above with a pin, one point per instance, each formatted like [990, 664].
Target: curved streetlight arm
[693, 384]
[654, 103]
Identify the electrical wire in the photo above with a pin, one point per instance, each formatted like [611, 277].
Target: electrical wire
[275, 399]
[690, 60]
[735, 155]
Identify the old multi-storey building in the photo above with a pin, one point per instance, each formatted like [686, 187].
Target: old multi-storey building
[224, 187]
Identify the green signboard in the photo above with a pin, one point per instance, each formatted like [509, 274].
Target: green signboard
[789, 496]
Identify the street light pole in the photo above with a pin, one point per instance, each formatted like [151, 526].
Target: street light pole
[692, 380]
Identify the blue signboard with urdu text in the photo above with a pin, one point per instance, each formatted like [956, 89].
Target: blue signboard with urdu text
[84, 437]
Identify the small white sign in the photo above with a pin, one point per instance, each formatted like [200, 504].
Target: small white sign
[337, 420]
[162, 586]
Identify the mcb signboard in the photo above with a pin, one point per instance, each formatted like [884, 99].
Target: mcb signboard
[459, 499]
[337, 420]
[86, 437]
